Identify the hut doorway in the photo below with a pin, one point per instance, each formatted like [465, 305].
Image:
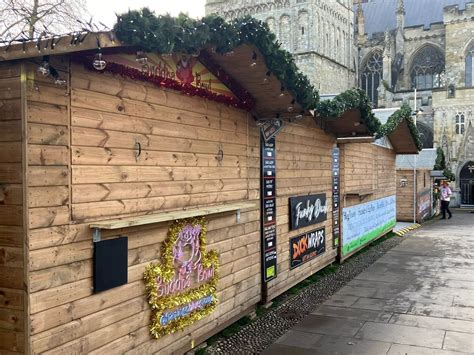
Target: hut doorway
[466, 179]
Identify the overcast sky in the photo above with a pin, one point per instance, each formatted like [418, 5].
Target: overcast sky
[104, 11]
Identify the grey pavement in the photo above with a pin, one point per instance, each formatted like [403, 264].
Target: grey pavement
[416, 299]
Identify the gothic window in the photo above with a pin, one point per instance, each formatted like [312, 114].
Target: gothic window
[460, 122]
[469, 72]
[344, 48]
[302, 38]
[372, 75]
[271, 24]
[427, 67]
[333, 42]
[285, 32]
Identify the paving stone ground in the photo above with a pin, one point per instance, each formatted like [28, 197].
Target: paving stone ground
[418, 298]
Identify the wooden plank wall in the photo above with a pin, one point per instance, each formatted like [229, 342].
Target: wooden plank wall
[99, 178]
[303, 166]
[12, 290]
[405, 194]
[367, 168]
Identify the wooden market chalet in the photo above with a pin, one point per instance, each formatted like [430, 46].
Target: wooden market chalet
[149, 199]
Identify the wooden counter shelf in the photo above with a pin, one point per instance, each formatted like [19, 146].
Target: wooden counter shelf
[361, 193]
[167, 216]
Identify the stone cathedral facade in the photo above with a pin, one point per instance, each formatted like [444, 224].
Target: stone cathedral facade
[427, 45]
[388, 48]
[319, 33]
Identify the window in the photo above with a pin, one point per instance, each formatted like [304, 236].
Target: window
[427, 67]
[372, 75]
[469, 72]
[302, 40]
[460, 120]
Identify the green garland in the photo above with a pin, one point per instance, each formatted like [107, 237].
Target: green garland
[165, 34]
[348, 100]
[404, 113]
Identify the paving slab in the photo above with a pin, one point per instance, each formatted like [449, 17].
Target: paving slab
[459, 342]
[377, 304]
[299, 339]
[394, 333]
[341, 301]
[433, 323]
[434, 310]
[352, 313]
[329, 325]
[340, 345]
[399, 349]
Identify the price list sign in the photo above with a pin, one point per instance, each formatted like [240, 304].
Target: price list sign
[268, 218]
[336, 231]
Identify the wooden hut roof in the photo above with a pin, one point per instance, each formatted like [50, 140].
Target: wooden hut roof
[245, 49]
[402, 132]
[348, 114]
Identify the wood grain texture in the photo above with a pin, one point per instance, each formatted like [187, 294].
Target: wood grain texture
[12, 294]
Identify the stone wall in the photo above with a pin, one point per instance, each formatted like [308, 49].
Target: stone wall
[319, 33]
[459, 38]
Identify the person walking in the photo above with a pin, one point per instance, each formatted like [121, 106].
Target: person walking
[445, 195]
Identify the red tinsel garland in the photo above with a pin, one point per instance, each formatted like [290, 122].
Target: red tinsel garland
[247, 103]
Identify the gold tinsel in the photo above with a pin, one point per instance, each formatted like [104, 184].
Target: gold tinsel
[166, 270]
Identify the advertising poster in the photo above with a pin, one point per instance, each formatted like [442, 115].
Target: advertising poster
[424, 205]
[307, 246]
[367, 221]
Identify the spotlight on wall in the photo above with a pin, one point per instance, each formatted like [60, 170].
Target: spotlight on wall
[98, 62]
[141, 58]
[253, 64]
[57, 80]
[291, 108]
[266, 79]
[282, 91]
[44, 68]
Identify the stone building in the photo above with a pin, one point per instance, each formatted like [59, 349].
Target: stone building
[424, 46]
[318, 32]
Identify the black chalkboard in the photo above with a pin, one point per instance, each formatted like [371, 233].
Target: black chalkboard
[110, 263]
[307, 210]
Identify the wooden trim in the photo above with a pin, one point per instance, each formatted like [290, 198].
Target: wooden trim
[25, 178]
[344, 140]
[360, 193]
[170, 216]
[16, 51]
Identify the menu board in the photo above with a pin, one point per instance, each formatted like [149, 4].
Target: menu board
[268, 218]
[336, 231]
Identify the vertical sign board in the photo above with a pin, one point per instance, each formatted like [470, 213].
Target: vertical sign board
[268, 214]
[336, 232]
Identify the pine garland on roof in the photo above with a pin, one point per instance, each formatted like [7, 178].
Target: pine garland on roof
[404, 113]
[348, 100]
[165, 34]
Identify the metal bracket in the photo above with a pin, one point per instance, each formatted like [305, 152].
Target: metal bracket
[237, 215]
[96, 235]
